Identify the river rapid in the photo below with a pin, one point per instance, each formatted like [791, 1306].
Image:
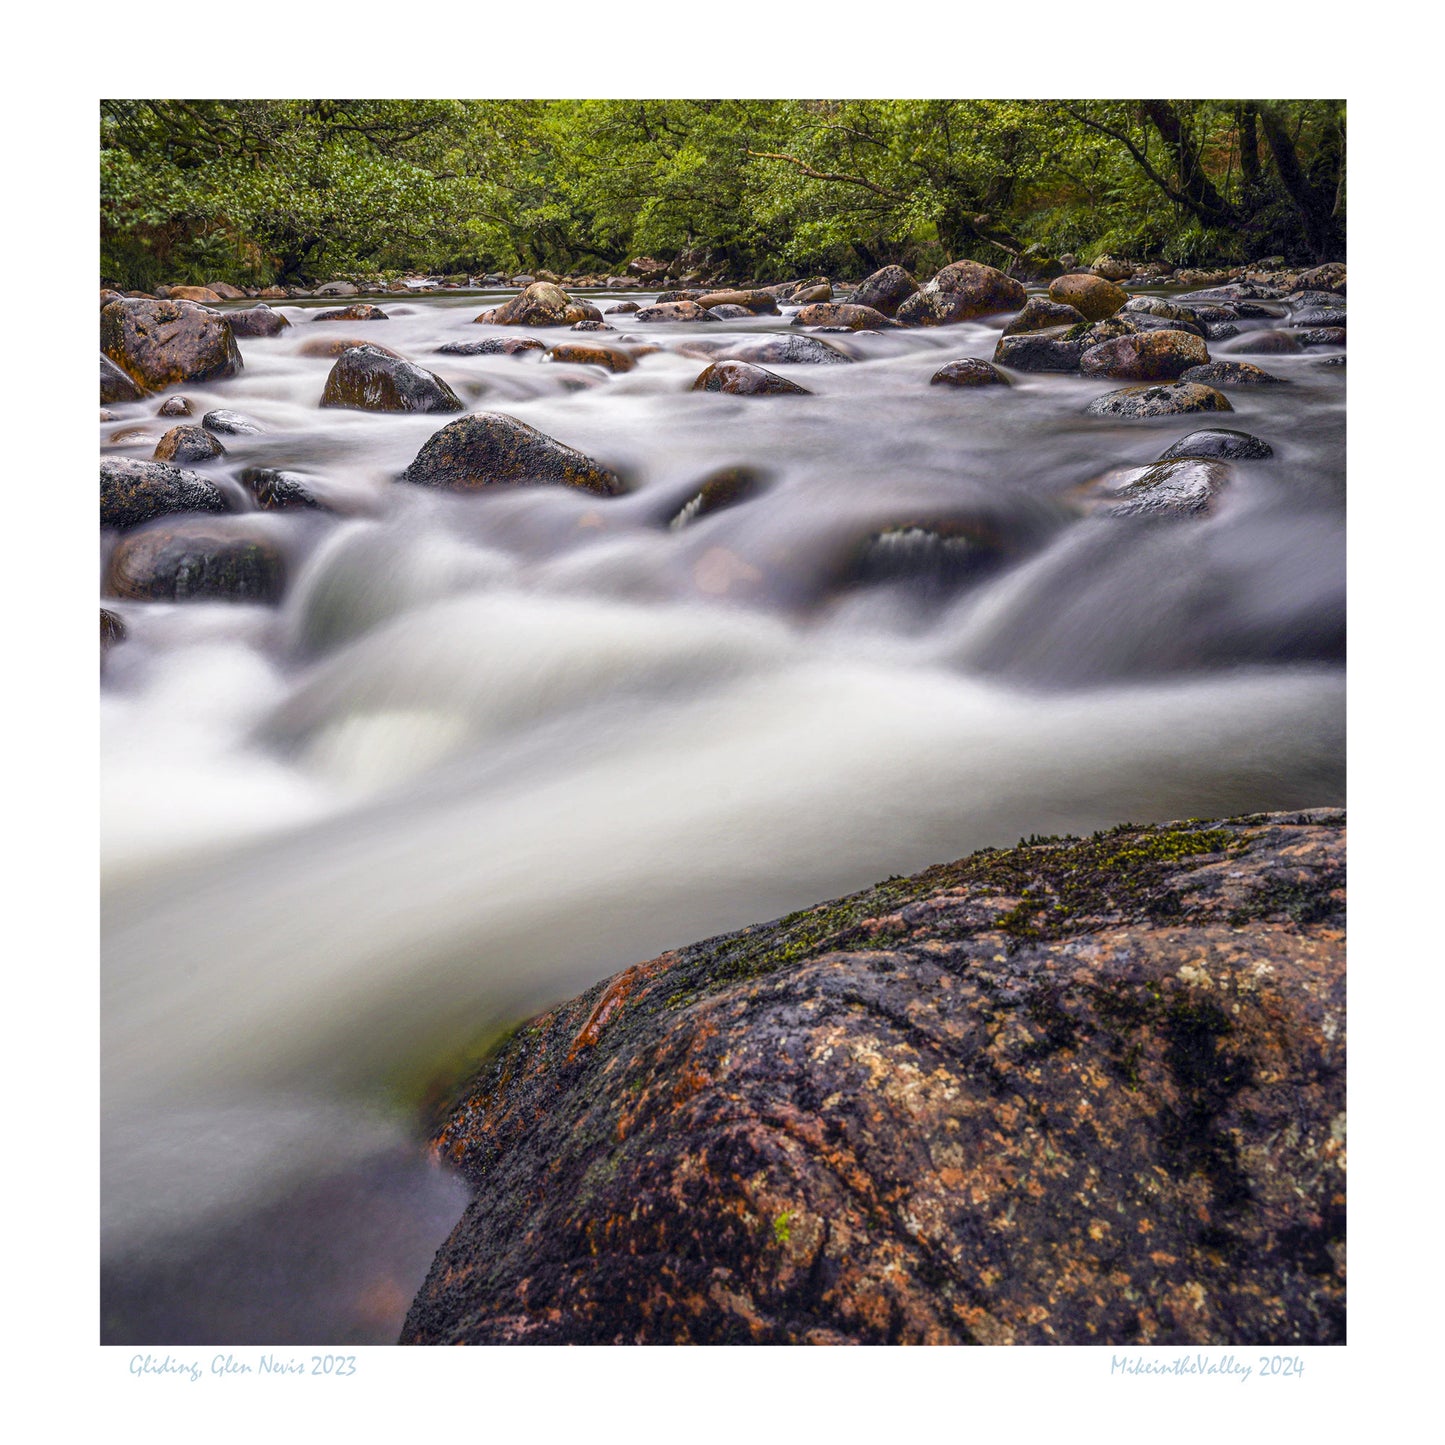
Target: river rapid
[490, 748]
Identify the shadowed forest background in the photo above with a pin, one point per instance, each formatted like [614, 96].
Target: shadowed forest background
[266, 191]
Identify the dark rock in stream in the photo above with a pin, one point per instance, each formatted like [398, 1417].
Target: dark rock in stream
[188, 444]
[133, 491]
[367, 378]
[174, 406]
[968, 371]
[674, 311]
[492, 346]
[195, 560]
[258, 321]
[1039, 314]
[162, 343]
[491, 449]
[231, 423]
[609, 357]
[886, 290]
[1231, 373]
[112, 629]
[1219, 442]
[1047, 350]
[723, 489]
[276, 491]
[1169, 488]
[359, 312]
[1073, 1092]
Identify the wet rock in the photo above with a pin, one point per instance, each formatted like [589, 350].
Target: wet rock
[1049, 350]
[1094, 297]
[106, 415]
[576, 353]
[788, 350]
[1267, 343]
[275, 490]
[185, 445]
[1220, 443]
[174, 406]
[886, 290]
[667, 298]
[226, 291]
[367, 378]
[1154, 356]
[674, 311]
[112, 629]
[1112, 268]
[622, 307]
[195, 561]
[331, 347]
[1040, 314]
[131, 436]
[1142, 321]
[1140, 402]
[1323, 336]
[812, 295]
[840, 314]
[1230, 373]
[1033, 267]
[359, 312]
[959, 292]
[969, 371]
[272, 293]
[231, 423]
[1220, 330]
[1333, 316]
[115, 385]
[202, 294]
[133, 491]
[493, 346]
[740, 378]
[1316, 300]
[106, 297]
[728, 313]
[257, 321]
[931, 556]
[162, 343]
[592, 326]
[758, 302]
[723, 489]
[1080, 1092]
[541, 303]
[1329, 277]
[490, 449]
[337, 288]
[1331, 361]
[1156, 306]
[1183, 488]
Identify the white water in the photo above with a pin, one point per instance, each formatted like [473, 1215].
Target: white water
[491, 749]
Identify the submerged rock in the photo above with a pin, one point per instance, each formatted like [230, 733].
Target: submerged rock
[969, 371]
[112, 629]
[1075, 1092]
[1140, 402]
[959, 292]
[576, 353]
[491, 449]
[779, 351]
[739, 378]
[133, 491]
[187, 444]
[195, 560]
[1267, 343]
[367, 378]
[162, 343]
[1167, 488]
[275, 490]
[723, 489]
[674, 311]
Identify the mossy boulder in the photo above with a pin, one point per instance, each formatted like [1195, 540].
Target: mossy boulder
[740, 378]
[959, 292]
[1092, 296]
[368, 378]
[1153, 356]
[163, 343]
[885, 290]
[134, 491]
[1081, 1092]
[490, 449]
[196, 561]
[968, 371]
[186, 445]
[1172, 399]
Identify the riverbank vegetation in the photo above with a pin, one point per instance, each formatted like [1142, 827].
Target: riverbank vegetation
[267, 191]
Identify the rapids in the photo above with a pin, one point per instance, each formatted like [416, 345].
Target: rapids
[492, 748]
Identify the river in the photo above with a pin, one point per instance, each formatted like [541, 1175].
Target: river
[491, 748]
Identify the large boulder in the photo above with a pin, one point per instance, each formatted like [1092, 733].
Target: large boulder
[196, 561]
[1153, 356]
[133, 491]
[163, 343]
[541, 304]
[740, 378]
[960, 292]
[1172, 399]
[369, 378]
[885, 290]
[1048, 350]
[1074, 1092]
[491, 449]
[1092, 296]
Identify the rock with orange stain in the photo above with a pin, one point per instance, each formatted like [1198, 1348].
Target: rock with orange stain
[1076, 1092]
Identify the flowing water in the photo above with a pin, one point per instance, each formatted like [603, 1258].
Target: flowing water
[491, 748]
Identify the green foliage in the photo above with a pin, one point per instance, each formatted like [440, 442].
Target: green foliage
[291, 190]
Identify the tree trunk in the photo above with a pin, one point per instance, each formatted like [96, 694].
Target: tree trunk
[1313, 204]
[1196, 190]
